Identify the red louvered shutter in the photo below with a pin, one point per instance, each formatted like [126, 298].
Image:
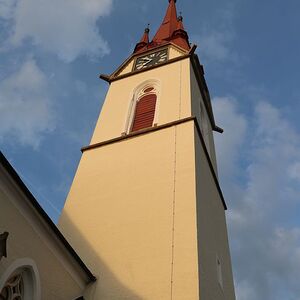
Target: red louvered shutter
[144, 112]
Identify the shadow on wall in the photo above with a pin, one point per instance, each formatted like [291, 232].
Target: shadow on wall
[107, 286]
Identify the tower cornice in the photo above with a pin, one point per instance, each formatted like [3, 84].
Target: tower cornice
[115, 75]
[162, 127]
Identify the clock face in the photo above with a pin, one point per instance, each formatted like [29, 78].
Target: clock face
[151, 59]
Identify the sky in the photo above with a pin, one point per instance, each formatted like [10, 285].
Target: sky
[52, 52]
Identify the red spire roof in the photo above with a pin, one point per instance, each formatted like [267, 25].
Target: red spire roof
[171, 30]
[144, 41]
[180, 23]
[145, 37]
[168, 25]
[180, 36]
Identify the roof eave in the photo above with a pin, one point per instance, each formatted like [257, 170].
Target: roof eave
[14, 175]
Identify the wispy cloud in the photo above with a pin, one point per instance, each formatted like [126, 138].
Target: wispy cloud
[229, 148]
[264, 230]
[215, 41]
[66, 28]
[7, 8]
[215, 45]
[25, 109]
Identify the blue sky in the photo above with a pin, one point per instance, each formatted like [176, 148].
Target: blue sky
[51, 53]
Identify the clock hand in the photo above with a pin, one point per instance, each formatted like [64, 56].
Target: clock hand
[156, 60]
[149, 61]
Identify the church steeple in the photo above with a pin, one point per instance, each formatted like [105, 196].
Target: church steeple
[145, 210]
[171, 30]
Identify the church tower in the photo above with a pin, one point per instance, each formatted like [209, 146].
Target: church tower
[145, 210]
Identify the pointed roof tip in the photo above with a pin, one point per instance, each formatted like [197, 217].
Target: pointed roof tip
[169, 23]
[171, 30]
[180, 23]
[145, 37]
[144, 40]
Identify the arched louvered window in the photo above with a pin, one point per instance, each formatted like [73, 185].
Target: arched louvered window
[20, 281]
[144, 109]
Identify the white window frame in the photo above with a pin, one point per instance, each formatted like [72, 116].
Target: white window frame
[135, 96]
[30, 275]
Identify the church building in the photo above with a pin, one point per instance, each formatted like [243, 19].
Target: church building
[145, 216]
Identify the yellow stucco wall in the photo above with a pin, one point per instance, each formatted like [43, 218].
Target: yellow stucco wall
[135, 212]
[212, 233]
[173, 101]
[119, 216]
[127, 68]
[175, 52]
[26, 241]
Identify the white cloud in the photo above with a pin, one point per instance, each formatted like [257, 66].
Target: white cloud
[215, 45]
[215, 41]
[25, 110]
[235, 126]
[263, 205]
[244, 291]
[7, 8]
[66, 28]
[294, 171]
